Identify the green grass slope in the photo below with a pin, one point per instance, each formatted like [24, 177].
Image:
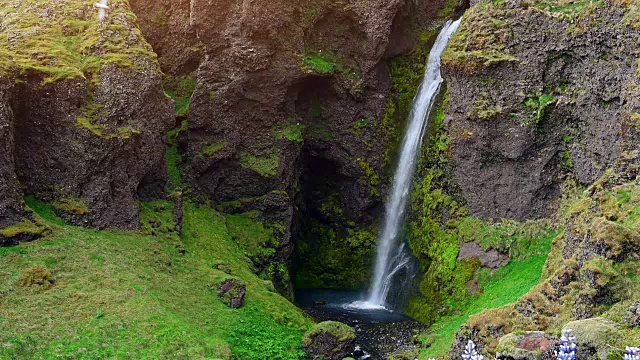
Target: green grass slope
[89, 294]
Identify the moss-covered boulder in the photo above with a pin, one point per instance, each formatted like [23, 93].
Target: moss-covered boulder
[232, 291]
[329, 340]
[533, 345]
[596, 336]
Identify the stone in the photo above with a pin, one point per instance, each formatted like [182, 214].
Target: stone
[534, 345]
[596, 336]
[329, 340]
[232, 291]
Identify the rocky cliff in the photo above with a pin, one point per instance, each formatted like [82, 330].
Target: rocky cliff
[287, 114]
[84, 117]
[541, 104]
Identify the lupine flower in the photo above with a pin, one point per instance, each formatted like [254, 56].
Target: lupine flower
[568, 346]
[470, 352]
[633, 353]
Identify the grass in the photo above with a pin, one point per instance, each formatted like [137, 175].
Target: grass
[121, 295]
[173, 157]
[504, 286]
[208, 151]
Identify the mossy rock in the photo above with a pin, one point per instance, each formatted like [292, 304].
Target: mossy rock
[26, 229]
[596, 336]
[232, 291]
[329, 340]
[533, 345]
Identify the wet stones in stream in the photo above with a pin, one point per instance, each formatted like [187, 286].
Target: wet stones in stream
[376, 339]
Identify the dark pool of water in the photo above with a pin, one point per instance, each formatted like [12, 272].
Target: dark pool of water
[379, 332]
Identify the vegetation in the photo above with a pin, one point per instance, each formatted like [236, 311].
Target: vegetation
[208, 151]
[327, 259]
[66, 41]
[266, 165]
[81, 293]
[292, 132]
[71, 205]
[319, 62]
[497, 289]
[372, 178]
[538, 104]
[181, 90]
[406, 73]
[172, 156]
[480, 40]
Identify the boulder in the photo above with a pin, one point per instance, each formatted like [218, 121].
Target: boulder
[329, 340]
[534, 345]
[596, 336]
[232, 291]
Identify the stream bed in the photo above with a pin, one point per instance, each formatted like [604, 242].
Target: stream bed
[379, 332]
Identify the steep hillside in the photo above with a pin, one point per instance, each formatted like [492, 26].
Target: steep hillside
[79, 293]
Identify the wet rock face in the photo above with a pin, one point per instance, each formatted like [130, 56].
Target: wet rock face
[554, 102]
[330, 340]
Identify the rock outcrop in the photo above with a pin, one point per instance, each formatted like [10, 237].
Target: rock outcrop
[330, 340]
[287, 114]
[85, 120]
[536, 92]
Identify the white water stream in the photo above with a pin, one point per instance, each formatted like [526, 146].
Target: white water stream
[391, 255]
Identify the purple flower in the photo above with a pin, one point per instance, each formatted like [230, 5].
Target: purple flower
[470, 352]
[633, 353]
[568, 346]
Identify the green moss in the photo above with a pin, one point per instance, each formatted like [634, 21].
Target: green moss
[502, 287]
[266, 165]
[336, 329]
[567, 161]
[181, 90]
[208, 151]
[172, 157]
[328, 256]
[360, 124]
[25, 227]
[155, 301]
[406, 73]
[67, 41]
[71, 205]
[292, 132]
[319, 62]
[372, 178]
[480, 40]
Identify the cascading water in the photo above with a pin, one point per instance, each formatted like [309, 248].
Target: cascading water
[392, 257]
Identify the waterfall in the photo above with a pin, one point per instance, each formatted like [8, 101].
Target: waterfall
[391, 254]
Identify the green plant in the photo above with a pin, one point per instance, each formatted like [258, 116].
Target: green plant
[360, 124]
[538, 104]
[181, 90]
[292, 132]
[322, 63]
